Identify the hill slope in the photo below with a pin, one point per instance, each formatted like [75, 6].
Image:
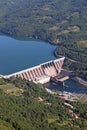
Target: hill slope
[44, 19]
[36, 109]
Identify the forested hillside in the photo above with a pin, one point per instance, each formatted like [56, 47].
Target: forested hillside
[27, 106]
[44, 19]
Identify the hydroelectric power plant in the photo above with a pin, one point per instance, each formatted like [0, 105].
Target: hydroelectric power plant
[41, 73]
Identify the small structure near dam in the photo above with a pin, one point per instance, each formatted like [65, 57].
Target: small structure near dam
[41, 73]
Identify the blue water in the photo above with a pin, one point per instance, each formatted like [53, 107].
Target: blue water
[72, 86]
[16, 55]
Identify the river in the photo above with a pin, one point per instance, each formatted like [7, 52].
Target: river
[72, 86]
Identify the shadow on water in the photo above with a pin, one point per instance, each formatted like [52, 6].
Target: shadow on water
[72, 86]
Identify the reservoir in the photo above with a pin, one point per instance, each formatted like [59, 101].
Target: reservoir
[16, 55]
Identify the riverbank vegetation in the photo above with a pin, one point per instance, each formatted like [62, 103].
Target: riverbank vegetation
[35, 109]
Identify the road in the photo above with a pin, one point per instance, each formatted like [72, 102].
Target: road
[73, 60]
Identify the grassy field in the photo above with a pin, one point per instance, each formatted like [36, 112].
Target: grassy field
[5, 126]
[70, 29]
[52, 120]
[83, 43]
[11, 89]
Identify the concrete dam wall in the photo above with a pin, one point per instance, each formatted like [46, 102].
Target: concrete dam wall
[40, 73]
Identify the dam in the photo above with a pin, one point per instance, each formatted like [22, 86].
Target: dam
[40, 73]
